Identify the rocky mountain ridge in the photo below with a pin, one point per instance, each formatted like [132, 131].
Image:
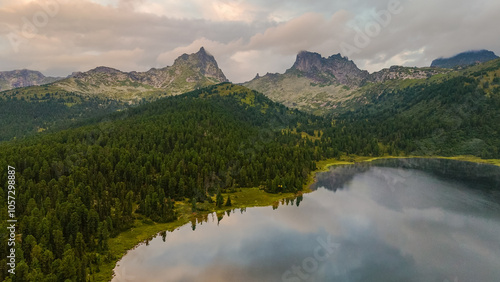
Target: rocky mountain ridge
[315, 83]
[23, 78]
[189, 71]
[328, 70]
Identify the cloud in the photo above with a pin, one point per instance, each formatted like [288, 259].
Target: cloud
[272, 50]
[246, 37]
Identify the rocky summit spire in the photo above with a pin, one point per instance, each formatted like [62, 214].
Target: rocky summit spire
[202, 51]
[307, 62]
[334, 69]
[204, 62]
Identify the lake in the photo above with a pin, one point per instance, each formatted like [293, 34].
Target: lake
[389, 220]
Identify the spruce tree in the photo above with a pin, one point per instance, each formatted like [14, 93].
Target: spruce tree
[228, 202]
[219, 200]
[193, 205]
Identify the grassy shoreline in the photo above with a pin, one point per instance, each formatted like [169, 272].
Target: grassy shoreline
[323, 165]
[243, 198]
[145, 230]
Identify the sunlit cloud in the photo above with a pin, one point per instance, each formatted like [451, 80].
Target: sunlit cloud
[246, 37]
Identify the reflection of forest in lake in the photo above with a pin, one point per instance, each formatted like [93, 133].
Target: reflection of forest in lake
[478, 176]
[206, 217]
[409, 220]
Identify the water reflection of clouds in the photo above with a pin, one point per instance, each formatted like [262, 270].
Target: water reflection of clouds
[433, 236]
[419, 231]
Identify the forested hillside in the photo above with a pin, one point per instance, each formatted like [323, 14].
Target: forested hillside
[22, 116]
[457, 114]
[97, 92]
[84, 185]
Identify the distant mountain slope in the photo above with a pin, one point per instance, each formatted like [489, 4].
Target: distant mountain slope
[455, 114]
[22, 78]
[187, 73]
[402, 73]
[100, 91]
[317, 85]
[465, 59]
[91, 183]
[20, 117]
[326, 71]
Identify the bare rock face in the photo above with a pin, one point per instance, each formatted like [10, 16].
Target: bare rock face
[334, 69]
[308, 62]
[202, 62]
[23, 78]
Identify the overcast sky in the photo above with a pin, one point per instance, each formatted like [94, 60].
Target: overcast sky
[58, 37]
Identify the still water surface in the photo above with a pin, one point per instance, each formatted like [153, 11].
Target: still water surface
[390, 220]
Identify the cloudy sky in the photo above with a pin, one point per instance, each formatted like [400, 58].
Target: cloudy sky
[58, 37]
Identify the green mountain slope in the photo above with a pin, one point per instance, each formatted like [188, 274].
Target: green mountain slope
[28, 115]
[455, 114]
[100, 91]
[79, 187]
[83, 185]
[320, 85]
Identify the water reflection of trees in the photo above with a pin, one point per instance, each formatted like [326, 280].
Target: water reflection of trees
[483, 176]
[337, 176]
[198, 219]
[479, 176]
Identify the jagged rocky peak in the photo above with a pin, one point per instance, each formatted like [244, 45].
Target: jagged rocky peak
[201, 57]
[202, 52]
[307, 61]
[203, 61]
[334, 69]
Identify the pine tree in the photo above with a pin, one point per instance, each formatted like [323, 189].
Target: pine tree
[219, 200]
[193, 205]
[228, 202]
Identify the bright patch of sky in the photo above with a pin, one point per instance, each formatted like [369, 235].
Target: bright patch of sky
[245, 36]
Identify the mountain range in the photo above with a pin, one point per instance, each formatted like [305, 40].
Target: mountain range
[104, 156]
[317, 84]
[313, 83]
[188, 72]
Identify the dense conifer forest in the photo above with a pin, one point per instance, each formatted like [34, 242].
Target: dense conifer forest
[83, 185]
[25, 115]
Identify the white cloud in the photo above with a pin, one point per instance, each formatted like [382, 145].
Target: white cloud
[246, 37]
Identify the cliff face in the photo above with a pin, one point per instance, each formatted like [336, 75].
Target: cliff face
[202, 62]
[334, 69]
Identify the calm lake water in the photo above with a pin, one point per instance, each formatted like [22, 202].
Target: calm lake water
[390, 220]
